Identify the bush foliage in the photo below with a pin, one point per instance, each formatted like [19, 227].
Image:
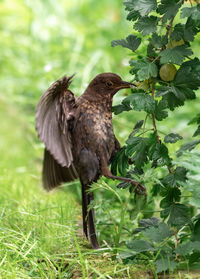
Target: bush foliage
[166, 28]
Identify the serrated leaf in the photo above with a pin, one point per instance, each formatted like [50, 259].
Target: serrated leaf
[158, 234]
[175, 55]
[137, 148]
[120, 162]
[173, 179]
[144, 69]
[146, 25]
[158, 41]
[172, 138]
[168, 8]
[188, 147]
[132, 42]
[161, 155]
[164, 264]
[179, 215]
[172, 101]
[136, 128]
[178, 32]
[138, 125]
[133, 15]
[140, 101]
[120, 108]
[160, 110]
[143, 6]
[188, 247]
[194, 12]
[175, 95]
[151, 222]
[140, 245]
[170, 195]
[188, 75]
[190, 30]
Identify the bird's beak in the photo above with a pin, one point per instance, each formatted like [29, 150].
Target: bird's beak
[126, 84]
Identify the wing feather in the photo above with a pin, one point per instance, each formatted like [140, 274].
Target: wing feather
[54, 109]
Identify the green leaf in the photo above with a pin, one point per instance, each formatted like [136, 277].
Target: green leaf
[170, 195]
[138, 125]
[120, 162]
[136, 128]
[195, 119]
[143, 6]
[146, 25]
[140, 101]
[133, 15]
[144, 69]
[178, 32]
[194, 12]
[179, 215]
[173, 179]
[120, 108]
[123, 185]
[160, 112]
[188, 75]
[188, 147]
[146, 223]
[164, 264]
[172, 138]
[158, 234]
[160, 156]
[131, 42]
[196, 231]
[197, 132]
[175, 55]
[190, 30]
[158, 41]
[138, 150]
[168, 8]
[175, 95]
[188, 247]
[140, 245]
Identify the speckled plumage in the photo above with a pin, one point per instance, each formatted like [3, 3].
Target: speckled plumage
[79, 137]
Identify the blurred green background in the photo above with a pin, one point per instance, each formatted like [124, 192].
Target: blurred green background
[40, 41]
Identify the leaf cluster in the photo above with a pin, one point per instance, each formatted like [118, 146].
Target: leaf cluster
[166, 43]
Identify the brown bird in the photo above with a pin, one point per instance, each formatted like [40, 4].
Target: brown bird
[79, 138]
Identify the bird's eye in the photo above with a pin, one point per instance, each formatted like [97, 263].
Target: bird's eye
[109, 83]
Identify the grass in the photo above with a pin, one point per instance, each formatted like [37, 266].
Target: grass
[40, 233]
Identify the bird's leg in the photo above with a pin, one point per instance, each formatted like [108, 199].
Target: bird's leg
[138, 188]
[84, 210]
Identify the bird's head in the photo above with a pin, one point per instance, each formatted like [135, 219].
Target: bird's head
[106, 85]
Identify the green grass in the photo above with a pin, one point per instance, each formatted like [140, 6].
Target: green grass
[40, 233]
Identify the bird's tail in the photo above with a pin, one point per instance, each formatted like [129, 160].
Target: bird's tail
[88, 217]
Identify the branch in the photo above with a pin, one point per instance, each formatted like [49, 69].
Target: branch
[153, 116]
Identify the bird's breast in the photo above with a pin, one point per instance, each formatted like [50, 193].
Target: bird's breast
[93, 130]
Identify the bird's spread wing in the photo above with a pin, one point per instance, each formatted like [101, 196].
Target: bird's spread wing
[55, 108]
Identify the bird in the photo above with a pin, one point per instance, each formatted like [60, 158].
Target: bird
[79, 138]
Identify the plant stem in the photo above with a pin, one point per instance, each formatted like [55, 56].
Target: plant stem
[153, 116]
[169, 26]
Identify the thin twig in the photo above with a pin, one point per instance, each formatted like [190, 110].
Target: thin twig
[153, 116]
